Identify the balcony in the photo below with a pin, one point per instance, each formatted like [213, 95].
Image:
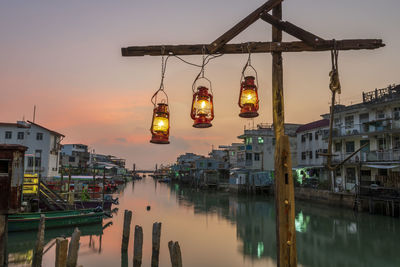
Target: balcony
[371, 156]
[371, 127]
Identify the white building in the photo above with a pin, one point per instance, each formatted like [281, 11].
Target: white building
[260, 146]
[43, 145]
[374, 123]
[312, 140]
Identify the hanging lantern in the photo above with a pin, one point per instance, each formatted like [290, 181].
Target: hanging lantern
[160, 124]
[248, 98]
[202, 108]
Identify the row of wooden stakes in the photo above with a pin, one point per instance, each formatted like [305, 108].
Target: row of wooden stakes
[174, 248]
[66, 256]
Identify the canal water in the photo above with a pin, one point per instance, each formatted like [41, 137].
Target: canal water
[222, 229]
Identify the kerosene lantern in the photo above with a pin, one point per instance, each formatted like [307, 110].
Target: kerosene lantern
[160, 124]
[202, 108]
[248, 98]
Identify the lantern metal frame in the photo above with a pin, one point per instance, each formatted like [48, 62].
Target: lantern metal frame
[202, 120]
[248, 110]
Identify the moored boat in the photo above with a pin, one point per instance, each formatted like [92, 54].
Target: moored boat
[54, 219]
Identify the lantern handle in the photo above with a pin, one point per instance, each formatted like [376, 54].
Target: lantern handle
[199, 78]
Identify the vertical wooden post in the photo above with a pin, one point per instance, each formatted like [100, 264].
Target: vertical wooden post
[284, 190]
[104, 184]
[3, 240]
[61, 252]
[126, 230]
[175, 254]
[38, 251]
[73, 249]
[138, 247]
[156, 244]
[94, 182]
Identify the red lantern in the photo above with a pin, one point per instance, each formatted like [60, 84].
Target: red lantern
[202, 108]
[248, 98]
[160, 124]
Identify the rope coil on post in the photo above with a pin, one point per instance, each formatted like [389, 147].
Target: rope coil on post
[334, 73]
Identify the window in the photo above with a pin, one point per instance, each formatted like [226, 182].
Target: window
[233, 153]
[249, 140]
[383, 172]
[8, 135]
[350, 175]
[20, 135]
[396, 113]
[303, 155]
[256, 156]
[316, 135]
[316, 154]
[310, 154]
[350, 147]
[310, 136]
[349, 121]
[260, 140]
[364, 142]
[364, 117]
[338, 172]
[381, 143]
[71, 159]
[209, 164]
[249, 156]
[380, 114]
[337, 121]
[338, 147]
[303, 138]
[39, 136]
[273, 141]
[396, 142]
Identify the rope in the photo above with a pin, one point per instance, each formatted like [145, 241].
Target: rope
[334, 73]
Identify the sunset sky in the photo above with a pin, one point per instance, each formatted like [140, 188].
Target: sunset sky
[64, 57]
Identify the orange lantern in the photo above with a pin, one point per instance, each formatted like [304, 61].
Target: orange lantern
[160, 124]
[202, 108]
[248, 98]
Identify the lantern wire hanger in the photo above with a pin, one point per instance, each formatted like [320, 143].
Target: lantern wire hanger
[248, 65]
[205, 61]
[161, 88]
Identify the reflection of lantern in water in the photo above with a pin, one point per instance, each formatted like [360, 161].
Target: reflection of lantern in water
[202, 108]
[160, 124]
[248, 98]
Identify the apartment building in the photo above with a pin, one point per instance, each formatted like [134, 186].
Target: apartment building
[75, 155]
[374, 125]
[259, 146]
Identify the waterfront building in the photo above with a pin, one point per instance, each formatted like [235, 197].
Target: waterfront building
[75, 155]
[236, 154]
[259, 146]
[375, 123]
[312, 140]
[43, 153]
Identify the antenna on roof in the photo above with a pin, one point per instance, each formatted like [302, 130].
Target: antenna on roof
[34, 113]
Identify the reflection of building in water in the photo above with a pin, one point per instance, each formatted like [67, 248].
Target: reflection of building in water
[325, 237]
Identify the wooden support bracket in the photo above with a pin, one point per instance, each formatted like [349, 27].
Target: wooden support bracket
[242, 25]
[301, 34]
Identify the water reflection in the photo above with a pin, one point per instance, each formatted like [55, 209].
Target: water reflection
[325, 236]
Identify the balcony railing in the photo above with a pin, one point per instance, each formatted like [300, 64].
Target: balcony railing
[371, 156]
[365, 128]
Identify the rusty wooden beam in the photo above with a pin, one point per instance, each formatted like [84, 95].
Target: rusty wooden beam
[301, 34]
[256, 47]
[242, 25]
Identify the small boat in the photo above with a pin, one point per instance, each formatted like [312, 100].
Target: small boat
[164, 180]
[54, 219]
